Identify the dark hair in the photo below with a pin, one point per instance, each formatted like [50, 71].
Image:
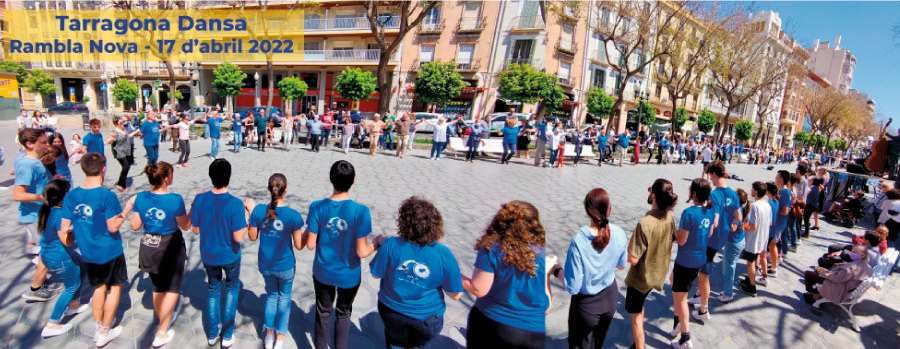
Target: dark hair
[54, 192]
[700, 189]
[893, 194]
[342, 175]
[665, 195]
[796, 178]
[220, 173]
[597, 207]
[759, 189]
[717, 168]
[95, 122]
[116, 120]
[419, 221]
[772, 189]
[93, 163]
[802, 168]
[277, 186]
[818, 181]
[30, 135]
[62, 149]
[516, 227]
[743, 199]
[157, 173]
[785, 176]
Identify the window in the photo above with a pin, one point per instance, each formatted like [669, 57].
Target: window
[564, 71]
[599, 47]
[312, 21]
[312, 46]
[345, 20]
[565, 38]
[464, 56]
[522, 51]
[619, 83]
[311, 80]
[604, 17]
[641, 59]
[426, 54]
[599, 78]
[569, 10]
[432, 19]
[658, 90]
[470, 17]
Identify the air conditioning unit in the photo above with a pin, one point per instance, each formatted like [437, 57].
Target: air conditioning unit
[665, 99]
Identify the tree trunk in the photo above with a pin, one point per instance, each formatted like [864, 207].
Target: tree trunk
[672, 116]
[384, 83]
[228, 105]
[271, 87]
[171, 72]
[620, 99]
[756, 137]
[724, 125]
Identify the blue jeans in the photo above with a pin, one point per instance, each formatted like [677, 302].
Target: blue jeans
[214, 150]
[732, 252]
[70, 273]
[205, 130]
[214, 274]
[326, 134]
[152, 154]
[279, 285]
[401, 331]
[238, 138]
[510, 149]
[553, 154]
[437, 148]
[472, 153]
[389, 140]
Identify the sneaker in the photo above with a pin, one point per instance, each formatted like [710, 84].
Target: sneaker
[270, 340]
[700, 317]
[678, 345]
[724, 299]
[808, 298]
[103, 339]
[773, 273]
[42, 294]
[227, 343]
[747, 288]
[35, 260]
[212, 341]
[72, 312]
[694, 301]
[279, 345]
[762, 281]
[675, 332]
[161, 341]
[55, 330]
[33, 249]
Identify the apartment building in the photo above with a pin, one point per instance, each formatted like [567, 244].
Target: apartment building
[454, 31]
[769, 103]
[833, 63]
[792, 112]
[566, 32]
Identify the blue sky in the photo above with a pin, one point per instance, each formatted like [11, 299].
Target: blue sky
[865, 28]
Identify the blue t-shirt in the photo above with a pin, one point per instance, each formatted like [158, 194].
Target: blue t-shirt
[589, 271]
[261, 123]
[338, 224]
[52, 248]
[218, 216]
[812, 197]
[88, 210]
[150, 130]
[696, 220]
[784, 200]
[773, 203]
[515, 299]
[602, 141]
[158, 211]
[724, 202]
[215, 126]
[62, 168]
[315, 126]
[276, 252]
[623, 141]
[236, 123]
[414, 276]
[31, 174]
[510, 134]
[93, 142]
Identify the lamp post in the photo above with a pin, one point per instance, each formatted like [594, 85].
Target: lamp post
[256, 79]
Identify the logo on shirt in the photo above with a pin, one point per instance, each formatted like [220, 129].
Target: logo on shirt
[272, 228]
[728, 202]
[414, 272]
[84, 213]
[154, 216]
[336, 226]
[704, 223]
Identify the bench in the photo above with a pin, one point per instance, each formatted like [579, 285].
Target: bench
[876, 280]
[457, 145]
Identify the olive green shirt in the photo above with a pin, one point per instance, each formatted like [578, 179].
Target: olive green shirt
[651, 244]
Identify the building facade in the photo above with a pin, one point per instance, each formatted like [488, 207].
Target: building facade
[833, 63]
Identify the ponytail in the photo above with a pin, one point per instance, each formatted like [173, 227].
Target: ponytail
[597, 207]
[665, 195]
[54, 192]
[277, 187]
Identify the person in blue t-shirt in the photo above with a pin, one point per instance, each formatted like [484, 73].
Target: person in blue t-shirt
[262, 122]
[278, 228]
[162, 251]
[416, 271]
[30, 178]
[594, 254]
[236, 124]
[93, 141]
[57, 141]
[696, 226]
[220, 219]
[214, 122]
[623, 142]
[781, 218]
[724, 202]
[95, 216]
[336, 229]
[602, 144]
[150, 133]
[59, 260]
[510, 134]
[509, 280]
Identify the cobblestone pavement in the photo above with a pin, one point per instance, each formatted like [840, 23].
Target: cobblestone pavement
[467, 195]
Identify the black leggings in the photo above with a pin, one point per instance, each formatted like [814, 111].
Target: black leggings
[261, 141]
[482, 332]
[123, 175]
[314, 143]
[185, 146]
[810, 209]
[325, 303]
[590, 317]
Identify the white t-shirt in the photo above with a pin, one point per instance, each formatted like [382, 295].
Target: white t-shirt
[760, 215]
[707, 154]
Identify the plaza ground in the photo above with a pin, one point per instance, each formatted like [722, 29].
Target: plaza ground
[468, 195]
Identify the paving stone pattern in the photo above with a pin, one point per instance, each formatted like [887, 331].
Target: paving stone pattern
[468, 195]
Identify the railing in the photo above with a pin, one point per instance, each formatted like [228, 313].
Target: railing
[472, 24]
[567, 47]
[599, 56]
[527, 23]
[473, 65]
[565, 82]
[533, 62]
[431, 27]
[369, 55]
[328, 24]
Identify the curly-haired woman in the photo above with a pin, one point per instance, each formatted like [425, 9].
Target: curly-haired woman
[415, 271]
[510, 281]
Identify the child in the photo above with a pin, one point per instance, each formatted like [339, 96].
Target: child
[553, 144]
[756, 228]
[562, 152]
[813, 202]
[220, 219]
[59, 260]
[74, 146]
[772, 199]
[95, 215]
[337, 231]
[277, 227]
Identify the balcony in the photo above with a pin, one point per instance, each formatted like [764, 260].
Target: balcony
[471, 25]
[567, 47]
[431, 28]
[316, 57]
[313, 25]
[469, 67]
[566, 82]
[599, 57]
[526, 24]
[533, 62]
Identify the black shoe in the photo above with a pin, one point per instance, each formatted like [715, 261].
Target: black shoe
[747, 288]
[808, 298]
[815, 228]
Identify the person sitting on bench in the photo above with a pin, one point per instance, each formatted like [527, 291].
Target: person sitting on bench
[835, 285]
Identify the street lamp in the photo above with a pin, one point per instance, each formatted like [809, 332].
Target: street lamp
[256, 78]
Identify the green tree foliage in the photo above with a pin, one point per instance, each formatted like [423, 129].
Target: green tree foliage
[16, 68]
[125, 91]
[228, 79]
[598, 103]
[38, 81]
[648, 113]
[678, 120]
[292, 88]
[523, 83]
[438, 82]
[801, 137]
[178, 95]
[355, 84]
[817, 141]
[838, 144]
[706, 121]
[743, 130]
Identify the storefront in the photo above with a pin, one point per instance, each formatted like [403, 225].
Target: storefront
[463, 104]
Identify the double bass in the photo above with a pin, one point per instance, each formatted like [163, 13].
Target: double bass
[877, 160]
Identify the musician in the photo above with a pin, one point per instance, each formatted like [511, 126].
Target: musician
[893, 154]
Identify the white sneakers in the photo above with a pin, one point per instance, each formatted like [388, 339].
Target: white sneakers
[675, 332]
[161, 341]
[724, 299]
[55, 329]
[269, 341]
[103, 339]
[694, 300]
[227, 343]
[686, 345]
[33, 249]
[72, 312]
[762, 282]
[701, 317]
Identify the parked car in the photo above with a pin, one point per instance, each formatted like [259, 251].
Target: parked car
[256, 110]
[424, 127]
[69, 108]
[498, 121]
[198, 111]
